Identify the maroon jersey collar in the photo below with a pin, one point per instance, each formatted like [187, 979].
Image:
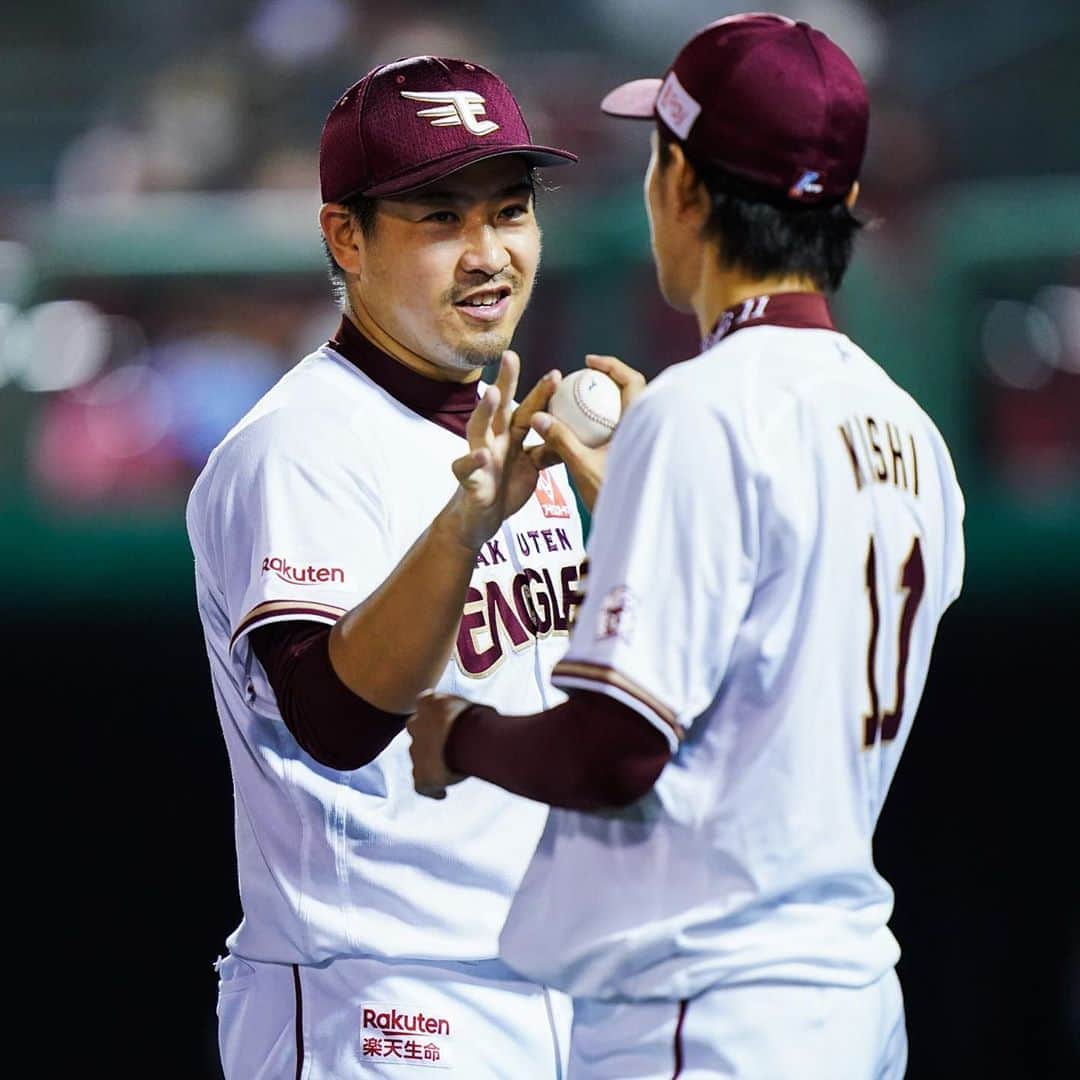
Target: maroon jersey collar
[448, 404]
[796, 310]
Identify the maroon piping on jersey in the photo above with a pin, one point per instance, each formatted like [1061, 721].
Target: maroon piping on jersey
[794, 310]
[678, 1040]
[299, 1022]
[448, 404]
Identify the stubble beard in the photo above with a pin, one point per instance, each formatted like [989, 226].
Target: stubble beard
[487, 346]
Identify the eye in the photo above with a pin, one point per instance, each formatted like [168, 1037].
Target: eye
[514, 211]
[441, 217]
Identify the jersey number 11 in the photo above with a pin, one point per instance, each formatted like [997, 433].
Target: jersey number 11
[913, 584]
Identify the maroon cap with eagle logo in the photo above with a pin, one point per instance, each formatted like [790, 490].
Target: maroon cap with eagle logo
[769, 101]
[416, 120]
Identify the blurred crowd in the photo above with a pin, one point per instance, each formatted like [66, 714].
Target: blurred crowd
[117, 385]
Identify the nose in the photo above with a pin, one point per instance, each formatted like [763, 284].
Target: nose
[484, 251]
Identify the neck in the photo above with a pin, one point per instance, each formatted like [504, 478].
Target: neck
[357, 313]
[722, 287]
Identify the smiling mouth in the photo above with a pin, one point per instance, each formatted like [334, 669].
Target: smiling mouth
[484, 299]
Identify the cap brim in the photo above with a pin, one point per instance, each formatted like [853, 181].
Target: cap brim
[635, 100]
[429, 172]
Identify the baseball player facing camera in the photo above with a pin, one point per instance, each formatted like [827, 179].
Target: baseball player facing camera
[375, 525]
[776, 539]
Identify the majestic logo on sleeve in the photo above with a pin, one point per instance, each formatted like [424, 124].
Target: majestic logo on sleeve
[454, 108]
[302, 575]
[400, 1035]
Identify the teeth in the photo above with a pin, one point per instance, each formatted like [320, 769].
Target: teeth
[489, 300]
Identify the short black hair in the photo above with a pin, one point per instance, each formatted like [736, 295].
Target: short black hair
[364, 210]
[765, 235]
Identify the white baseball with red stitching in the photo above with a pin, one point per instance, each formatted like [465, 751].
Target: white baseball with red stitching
[589, 403]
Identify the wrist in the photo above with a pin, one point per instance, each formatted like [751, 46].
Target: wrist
[459, 737]
[455, 525]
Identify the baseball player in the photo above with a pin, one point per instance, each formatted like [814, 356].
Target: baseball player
[374, 526]
[776, 539]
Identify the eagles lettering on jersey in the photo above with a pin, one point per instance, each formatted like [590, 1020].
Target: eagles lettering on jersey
[503, 614]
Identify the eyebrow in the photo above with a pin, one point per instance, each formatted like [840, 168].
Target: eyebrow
[444, 196]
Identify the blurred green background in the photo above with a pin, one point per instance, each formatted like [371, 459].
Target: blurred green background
[160, 266]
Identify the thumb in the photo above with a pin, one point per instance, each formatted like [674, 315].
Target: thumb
[558, 437]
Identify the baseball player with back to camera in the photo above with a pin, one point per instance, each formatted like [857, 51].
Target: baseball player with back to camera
[373, 526]
[777, 537]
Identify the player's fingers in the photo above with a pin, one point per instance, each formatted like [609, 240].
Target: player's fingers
[543, 457]
[535, 400]
[478, 429]
[431, 791]
[467, 467]
[629, 380]
[506, 382]
[558, 438]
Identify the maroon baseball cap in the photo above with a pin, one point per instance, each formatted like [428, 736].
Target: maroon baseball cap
[416, 120]
[772, 102]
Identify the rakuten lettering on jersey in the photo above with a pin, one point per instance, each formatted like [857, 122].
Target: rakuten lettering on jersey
[302, 575]
[398, 1035]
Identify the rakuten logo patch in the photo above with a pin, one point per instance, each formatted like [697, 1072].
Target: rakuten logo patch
[399, 1035]
[302, 575]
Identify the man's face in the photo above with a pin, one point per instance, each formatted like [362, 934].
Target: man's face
[448, 269]
[669, 238]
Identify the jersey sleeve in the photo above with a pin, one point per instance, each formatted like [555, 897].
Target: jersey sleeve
[301, 527]
[672, 561]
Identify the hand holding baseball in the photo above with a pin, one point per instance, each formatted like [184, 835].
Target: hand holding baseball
[585, 458]
[589, 403]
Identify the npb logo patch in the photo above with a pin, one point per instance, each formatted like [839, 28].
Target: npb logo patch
[454, 108]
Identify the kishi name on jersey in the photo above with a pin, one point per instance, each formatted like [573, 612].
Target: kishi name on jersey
[880, 451]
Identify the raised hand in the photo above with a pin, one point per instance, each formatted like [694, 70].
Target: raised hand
[496, 477]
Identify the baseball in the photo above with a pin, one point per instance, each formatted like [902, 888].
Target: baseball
[589, 403]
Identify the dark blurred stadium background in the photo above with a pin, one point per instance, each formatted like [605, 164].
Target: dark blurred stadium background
[160, 266]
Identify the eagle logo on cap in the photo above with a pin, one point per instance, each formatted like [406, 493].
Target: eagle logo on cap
[454, 108]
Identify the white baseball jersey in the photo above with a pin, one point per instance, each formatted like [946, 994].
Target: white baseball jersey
[301, 512]
[777, 537]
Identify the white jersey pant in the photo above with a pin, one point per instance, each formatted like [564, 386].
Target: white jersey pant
[366, 1018]
[762, 1031]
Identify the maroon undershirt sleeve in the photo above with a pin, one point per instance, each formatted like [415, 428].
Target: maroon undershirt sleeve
[336, 727]
[589, 753]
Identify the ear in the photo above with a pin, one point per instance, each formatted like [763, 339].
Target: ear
[691, 197]
[343, 236]
[852, 196]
